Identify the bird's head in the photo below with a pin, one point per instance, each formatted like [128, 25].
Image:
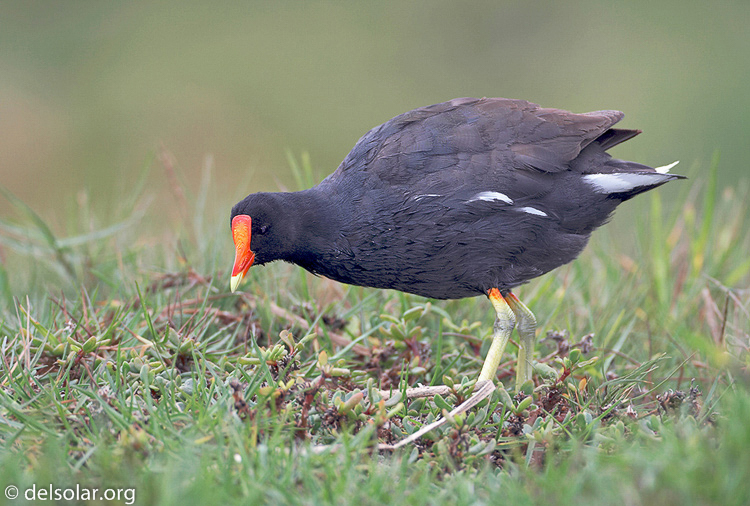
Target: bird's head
[262, 231]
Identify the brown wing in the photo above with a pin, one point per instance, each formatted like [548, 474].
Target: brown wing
[485, 135]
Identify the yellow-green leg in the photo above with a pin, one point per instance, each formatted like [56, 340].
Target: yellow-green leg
[526, 327]
[508, 310]
[504, 324]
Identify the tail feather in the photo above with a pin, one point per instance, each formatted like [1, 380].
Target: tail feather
[615, 136]
[664, 169]
[620, 178]
[629, 184]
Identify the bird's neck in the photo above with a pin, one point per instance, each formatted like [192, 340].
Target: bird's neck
[316, 225]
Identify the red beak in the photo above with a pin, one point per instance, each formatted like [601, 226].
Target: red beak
[243, 258]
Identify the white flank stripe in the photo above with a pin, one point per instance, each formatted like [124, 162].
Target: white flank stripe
[419, 197]
[533, 210]
[491, 196]
[622, 182]
[665, 169]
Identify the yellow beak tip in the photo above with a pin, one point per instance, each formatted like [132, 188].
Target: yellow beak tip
[235, 281]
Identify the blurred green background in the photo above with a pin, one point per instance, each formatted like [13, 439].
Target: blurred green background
[90, 90]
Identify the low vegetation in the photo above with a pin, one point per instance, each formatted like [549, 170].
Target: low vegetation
[128, 364]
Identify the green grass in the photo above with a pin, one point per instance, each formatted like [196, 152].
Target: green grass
[127, 364]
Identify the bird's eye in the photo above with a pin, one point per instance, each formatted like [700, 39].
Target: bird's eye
[263, 229]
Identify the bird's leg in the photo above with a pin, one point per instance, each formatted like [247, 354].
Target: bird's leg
[504, 324]
[526, 327]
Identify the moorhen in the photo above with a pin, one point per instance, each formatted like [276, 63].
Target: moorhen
[462, 198]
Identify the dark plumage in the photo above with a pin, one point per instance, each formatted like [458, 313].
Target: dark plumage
[454, 199]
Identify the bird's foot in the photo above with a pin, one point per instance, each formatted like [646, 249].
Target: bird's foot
[482, 390]
[417, 392]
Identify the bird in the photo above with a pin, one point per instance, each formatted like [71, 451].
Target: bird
[469, 197]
